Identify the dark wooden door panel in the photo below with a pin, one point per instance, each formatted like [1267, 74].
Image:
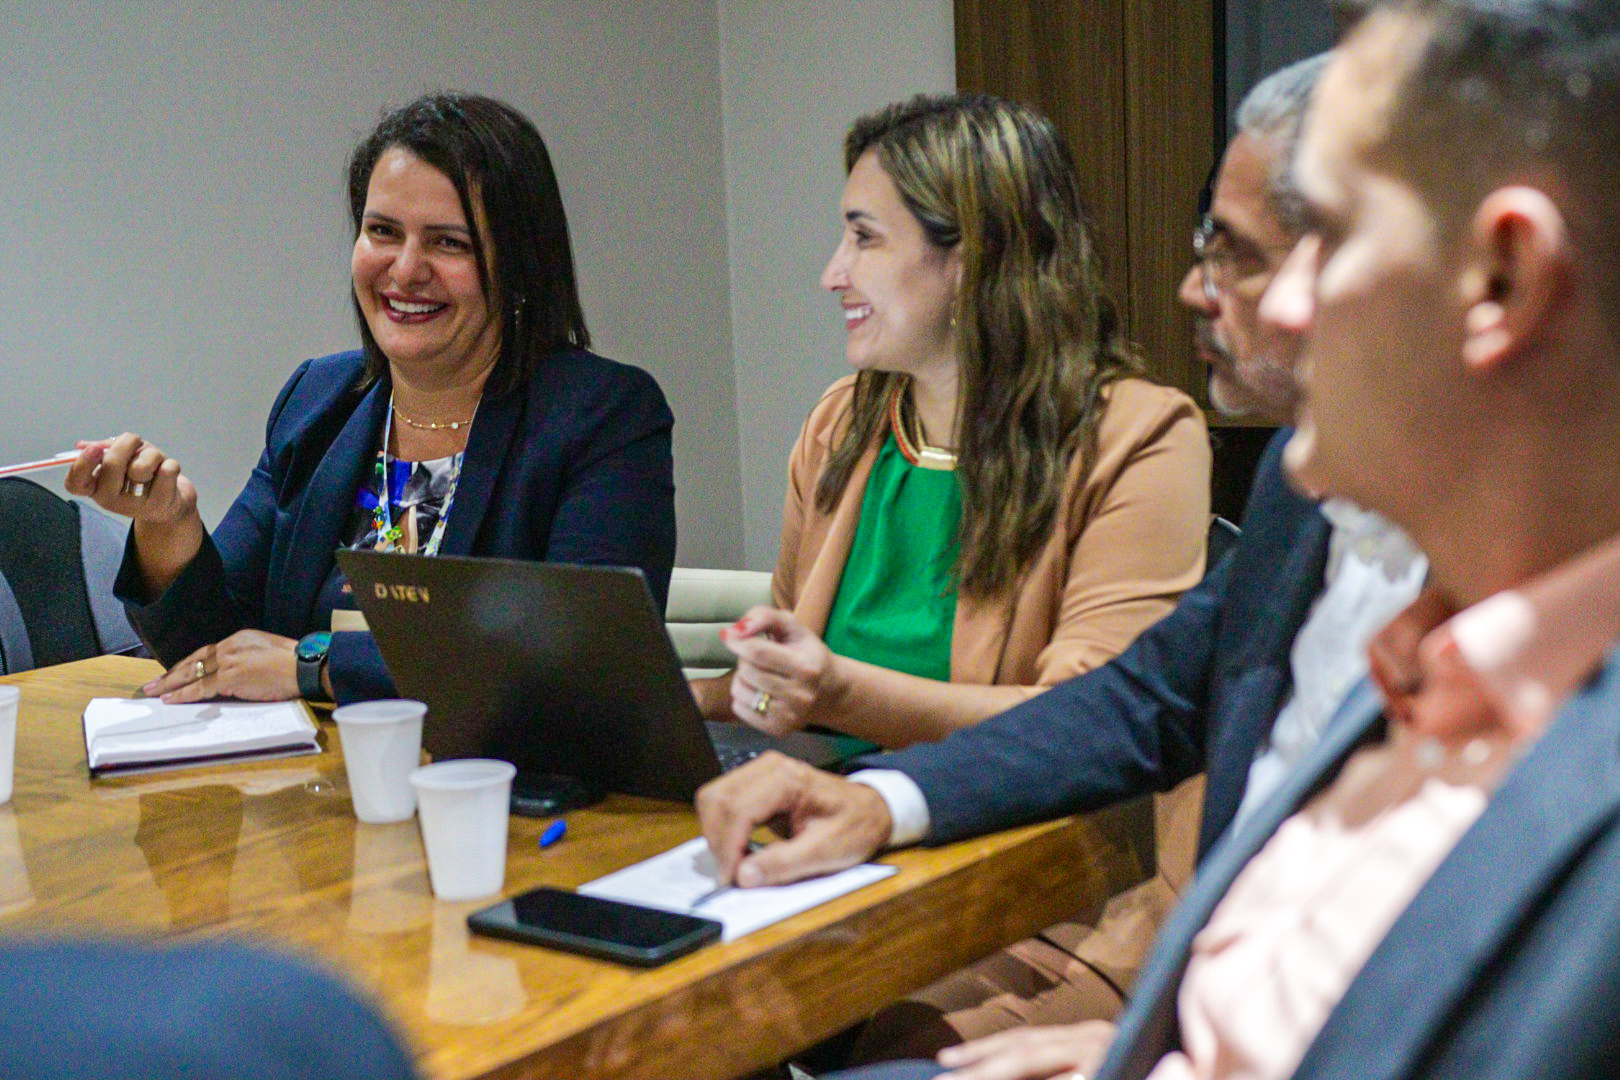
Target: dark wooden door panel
[1131, 87]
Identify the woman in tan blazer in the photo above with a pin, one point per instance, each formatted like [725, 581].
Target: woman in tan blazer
[996, 501]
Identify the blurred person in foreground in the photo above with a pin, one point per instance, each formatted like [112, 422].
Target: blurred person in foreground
[133, 1010]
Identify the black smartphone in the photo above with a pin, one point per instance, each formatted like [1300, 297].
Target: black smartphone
[611, 929]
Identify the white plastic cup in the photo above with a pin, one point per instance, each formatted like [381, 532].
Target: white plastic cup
[8, 739]
[464, 805]
[382, 743]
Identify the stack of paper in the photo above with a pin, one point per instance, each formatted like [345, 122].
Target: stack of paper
[126, 734]
[681, 876]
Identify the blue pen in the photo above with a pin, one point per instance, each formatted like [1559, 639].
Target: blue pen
[554, 832]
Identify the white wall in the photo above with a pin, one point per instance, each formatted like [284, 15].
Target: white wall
[175, 233]
[794, 77]
[176, 240]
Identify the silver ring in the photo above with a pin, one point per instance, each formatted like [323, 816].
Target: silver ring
[200, 672]
[762, 703]
[138, 488]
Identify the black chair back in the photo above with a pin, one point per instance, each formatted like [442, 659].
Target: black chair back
[57, 561]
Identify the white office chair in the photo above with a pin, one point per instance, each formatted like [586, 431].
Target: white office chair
[701, 602]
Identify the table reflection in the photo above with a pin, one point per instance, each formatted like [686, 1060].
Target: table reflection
[15, 891]
[391, 893]
[467, 985]
[189, 837]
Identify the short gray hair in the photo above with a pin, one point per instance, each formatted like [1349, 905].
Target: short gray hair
[1274, 111]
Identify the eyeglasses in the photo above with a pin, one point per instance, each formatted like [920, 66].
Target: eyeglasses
[1226, 259]
[1210, 256]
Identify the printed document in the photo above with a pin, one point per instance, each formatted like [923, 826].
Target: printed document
[681, 877]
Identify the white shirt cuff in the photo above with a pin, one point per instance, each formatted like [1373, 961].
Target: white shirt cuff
[908, 807]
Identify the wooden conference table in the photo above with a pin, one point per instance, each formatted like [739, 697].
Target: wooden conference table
[271, 851]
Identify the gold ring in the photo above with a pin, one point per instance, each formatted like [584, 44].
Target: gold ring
[201, 671]
[762, 703]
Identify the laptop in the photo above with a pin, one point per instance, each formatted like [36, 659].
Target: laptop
[566, 671]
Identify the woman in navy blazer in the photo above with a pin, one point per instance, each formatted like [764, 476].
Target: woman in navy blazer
[473, 422]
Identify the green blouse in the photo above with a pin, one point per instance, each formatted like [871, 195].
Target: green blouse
[896, 602]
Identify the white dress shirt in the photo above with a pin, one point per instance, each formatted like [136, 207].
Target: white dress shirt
[1373, 572]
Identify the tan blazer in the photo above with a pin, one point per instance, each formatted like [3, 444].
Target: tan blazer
[1129, 540]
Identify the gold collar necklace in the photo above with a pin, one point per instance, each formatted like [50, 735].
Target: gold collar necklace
[429, 425]
[908, 435]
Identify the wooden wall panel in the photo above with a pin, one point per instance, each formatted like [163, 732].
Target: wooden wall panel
[1067, 60]
[1169, 146]
[1130, 84]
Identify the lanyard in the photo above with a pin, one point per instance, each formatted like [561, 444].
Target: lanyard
[388, 534]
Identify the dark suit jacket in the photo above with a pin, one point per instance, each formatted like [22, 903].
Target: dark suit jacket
[221, 1012]
[1198, 691]
[574, 468]
[1506, 965]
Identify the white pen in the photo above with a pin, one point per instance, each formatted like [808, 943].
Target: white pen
[724, 887]
[66, 457]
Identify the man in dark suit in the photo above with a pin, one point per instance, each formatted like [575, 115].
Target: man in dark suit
[105, 1011]
[1431, 892]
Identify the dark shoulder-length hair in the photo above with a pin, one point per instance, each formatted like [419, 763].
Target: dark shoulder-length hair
[1037, 338]
[503, 176]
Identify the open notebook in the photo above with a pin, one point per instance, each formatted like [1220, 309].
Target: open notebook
[129, 734]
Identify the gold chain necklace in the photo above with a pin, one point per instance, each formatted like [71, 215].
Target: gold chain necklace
[428, 425]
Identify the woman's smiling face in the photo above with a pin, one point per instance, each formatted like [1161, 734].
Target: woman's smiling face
[897, 289]
[415, 272]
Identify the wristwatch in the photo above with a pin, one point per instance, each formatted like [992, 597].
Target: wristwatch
[311, 654]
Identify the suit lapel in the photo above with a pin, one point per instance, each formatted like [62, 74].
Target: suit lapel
[487, 446]
[979, 636]
[1539, 820]
[1277, 570]
[324, 511]
[1273, 597]
[1281, 577]
[1565, 789]
[1148, 1027]
[819, 587]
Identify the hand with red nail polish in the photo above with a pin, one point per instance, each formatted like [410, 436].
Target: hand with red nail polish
[786, 676]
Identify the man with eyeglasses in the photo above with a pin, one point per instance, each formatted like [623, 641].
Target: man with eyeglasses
[1222, 685]
[1236, 250]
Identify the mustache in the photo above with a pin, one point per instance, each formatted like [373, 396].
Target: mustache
[1207, 339]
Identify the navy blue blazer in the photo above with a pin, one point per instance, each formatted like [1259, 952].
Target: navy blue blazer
[575, 468]
[1197, 691]
[1505, 966]
[105, 1011]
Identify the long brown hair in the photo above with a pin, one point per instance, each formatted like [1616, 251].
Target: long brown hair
[1037, 339]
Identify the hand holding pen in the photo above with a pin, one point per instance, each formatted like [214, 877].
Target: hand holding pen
[830, 823]
[56, 461]
[128, 475]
